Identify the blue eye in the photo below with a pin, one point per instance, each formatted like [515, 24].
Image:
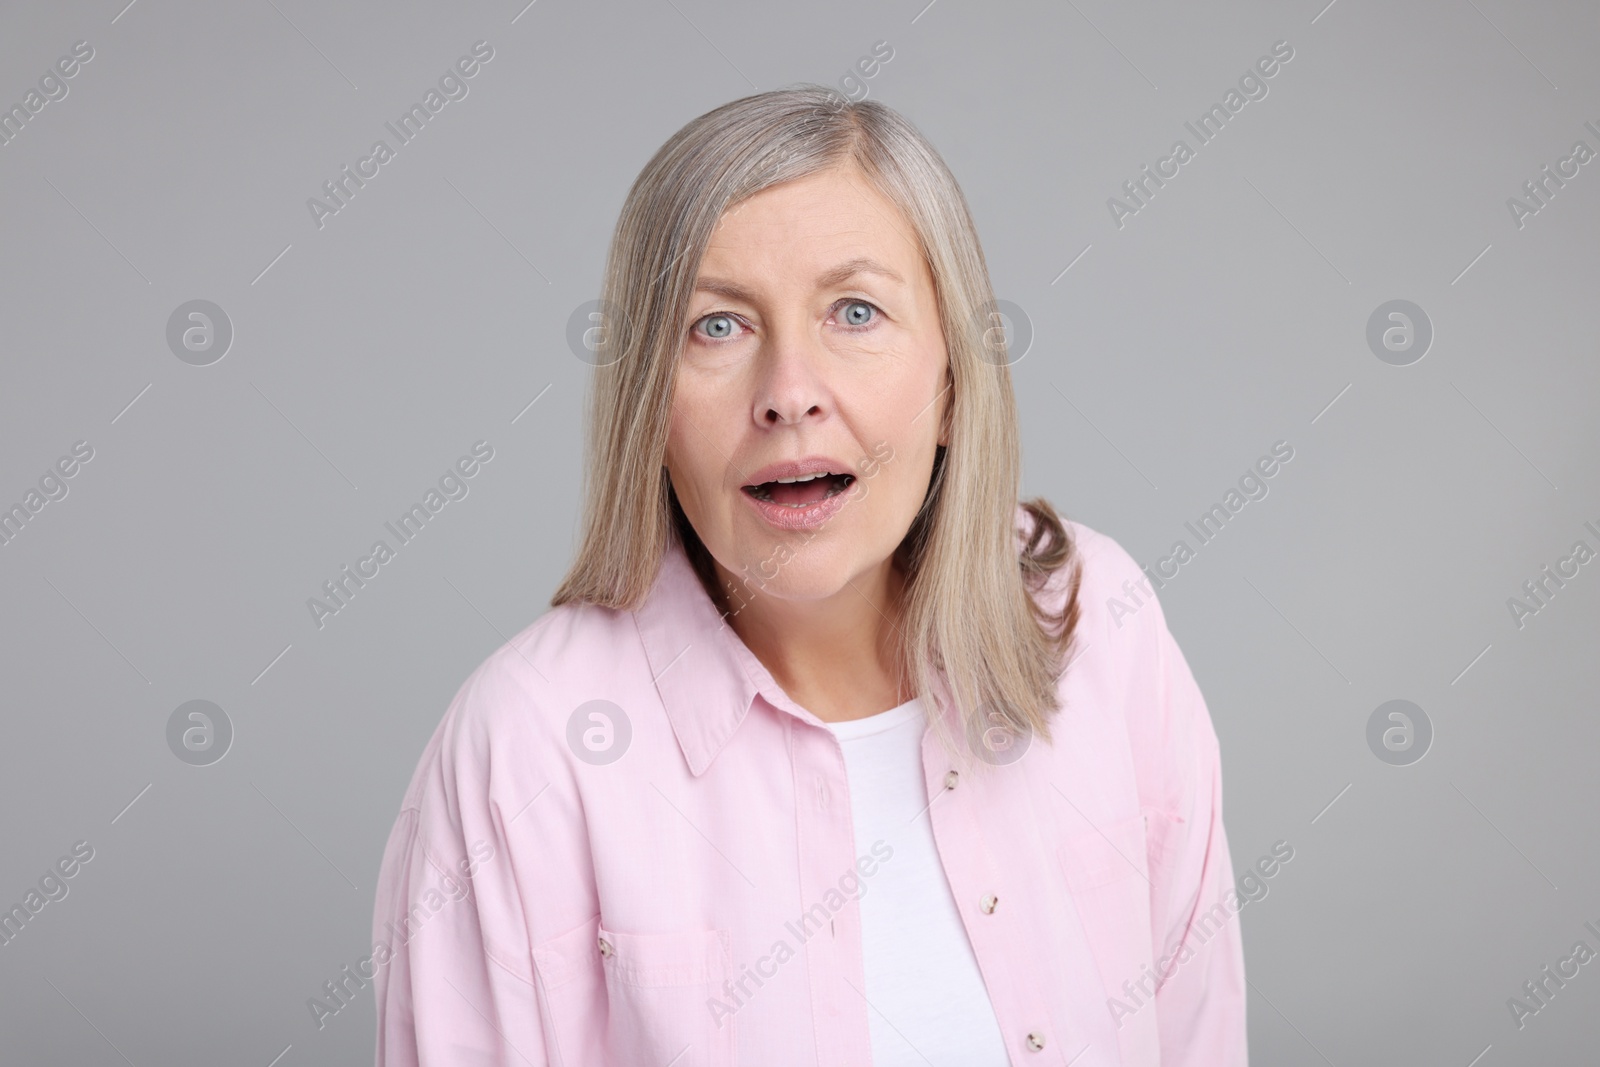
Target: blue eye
[858, 312]
[718, 326]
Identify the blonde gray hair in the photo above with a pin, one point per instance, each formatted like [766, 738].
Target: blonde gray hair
[974, 629]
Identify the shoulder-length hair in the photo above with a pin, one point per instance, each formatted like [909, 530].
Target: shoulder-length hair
[974, 628]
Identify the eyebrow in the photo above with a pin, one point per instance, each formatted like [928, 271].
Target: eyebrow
[826, 280]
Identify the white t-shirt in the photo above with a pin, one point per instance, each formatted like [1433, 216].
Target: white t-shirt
[926, 997]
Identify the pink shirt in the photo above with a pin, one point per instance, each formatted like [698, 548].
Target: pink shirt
[693, 902]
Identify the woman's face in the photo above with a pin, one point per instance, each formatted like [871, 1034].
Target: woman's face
[813, 347]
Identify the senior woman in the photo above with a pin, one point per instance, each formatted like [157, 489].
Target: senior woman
[826, 753]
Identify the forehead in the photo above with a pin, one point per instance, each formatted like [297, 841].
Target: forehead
[813, 223]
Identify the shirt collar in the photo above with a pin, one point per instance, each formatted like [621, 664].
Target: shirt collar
[707, 678]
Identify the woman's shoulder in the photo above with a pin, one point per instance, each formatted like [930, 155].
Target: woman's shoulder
[1126, 668]
[510, 713]
[1108, 578]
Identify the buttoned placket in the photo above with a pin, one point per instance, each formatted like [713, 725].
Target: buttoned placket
[825, 833]
[999, 937]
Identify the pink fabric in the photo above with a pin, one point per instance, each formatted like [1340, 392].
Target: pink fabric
[694, 902]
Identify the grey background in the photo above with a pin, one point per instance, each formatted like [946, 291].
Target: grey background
[368, 355]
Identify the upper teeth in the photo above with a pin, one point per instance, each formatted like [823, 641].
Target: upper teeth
[803, 478]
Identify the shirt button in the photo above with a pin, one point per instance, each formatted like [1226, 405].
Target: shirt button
[988, 903]
[951, 779]
[1036, 1041]
[605, 948]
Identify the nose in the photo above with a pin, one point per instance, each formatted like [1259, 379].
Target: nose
[791, 385]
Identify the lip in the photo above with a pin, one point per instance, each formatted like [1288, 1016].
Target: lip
[799, 468]
[811, 517]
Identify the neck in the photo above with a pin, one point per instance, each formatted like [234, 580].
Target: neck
[838, 656]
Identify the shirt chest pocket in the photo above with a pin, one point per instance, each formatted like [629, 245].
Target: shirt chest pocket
[616, 998]
[1107, 873]
[661, 988]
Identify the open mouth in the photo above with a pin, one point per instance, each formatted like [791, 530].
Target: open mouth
[801, 492]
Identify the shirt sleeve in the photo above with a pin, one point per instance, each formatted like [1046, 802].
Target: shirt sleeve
[1200, 1004]
[454, 984]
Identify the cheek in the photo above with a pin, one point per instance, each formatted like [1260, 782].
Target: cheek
[705, 428]
[910, 470]
[919, 402]
[681, 461]
[694, 464]
[924, 373]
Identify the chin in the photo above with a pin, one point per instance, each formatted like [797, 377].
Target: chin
[790, 571]
[812, 583]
